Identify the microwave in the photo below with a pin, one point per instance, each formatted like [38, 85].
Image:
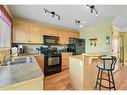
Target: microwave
[53, 40]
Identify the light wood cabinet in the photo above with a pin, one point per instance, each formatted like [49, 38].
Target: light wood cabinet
[32, 84]
[21, 32]
[25, 32]
[73, 34]
[64, 37]
[40, 61]
[35, 34]
[65, 59]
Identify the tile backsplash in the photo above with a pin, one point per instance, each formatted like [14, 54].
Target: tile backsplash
[29, 48]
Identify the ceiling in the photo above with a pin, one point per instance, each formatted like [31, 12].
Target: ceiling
[69, 13]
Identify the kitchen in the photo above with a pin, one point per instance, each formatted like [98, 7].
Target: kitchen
[52, 54]
[47, 46]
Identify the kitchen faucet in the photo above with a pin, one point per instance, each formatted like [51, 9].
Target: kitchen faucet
[7, 58]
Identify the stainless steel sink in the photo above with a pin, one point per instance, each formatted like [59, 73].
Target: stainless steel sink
[18, 61]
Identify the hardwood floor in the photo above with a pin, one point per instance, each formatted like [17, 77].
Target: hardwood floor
[60, 81]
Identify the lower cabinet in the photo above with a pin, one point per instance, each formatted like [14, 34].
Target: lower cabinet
[33, 84]
[40, 61]
[65, 59]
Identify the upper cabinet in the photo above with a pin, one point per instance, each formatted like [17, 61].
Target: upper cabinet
[21, 32]
[74, 34]
[64, 37]
[35, 34]
[24, 32]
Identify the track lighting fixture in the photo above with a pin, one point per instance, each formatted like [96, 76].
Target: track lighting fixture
[79, 23]
[92, 9]
[51, 12]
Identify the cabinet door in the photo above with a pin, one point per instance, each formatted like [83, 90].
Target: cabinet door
[20, 32]
[76, 35]
[64, 37]
[40, 61]
[65, 59]
[35, 34]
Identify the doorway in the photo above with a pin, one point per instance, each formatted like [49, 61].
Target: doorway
[121, 50]
[116, 45]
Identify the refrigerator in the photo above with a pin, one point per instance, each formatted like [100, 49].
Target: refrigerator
[76, 45]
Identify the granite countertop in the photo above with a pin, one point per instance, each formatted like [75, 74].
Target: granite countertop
[12, 74]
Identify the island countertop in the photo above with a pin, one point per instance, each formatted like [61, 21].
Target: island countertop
[17, 73]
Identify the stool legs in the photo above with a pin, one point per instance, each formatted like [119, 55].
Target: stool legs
[109, 80]
[113, 80]
[100, 78]
[97, 77]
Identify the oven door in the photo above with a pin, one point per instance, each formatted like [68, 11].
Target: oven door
[52, 64]
[53, 60]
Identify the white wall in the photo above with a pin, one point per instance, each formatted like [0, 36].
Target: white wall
[99, 31]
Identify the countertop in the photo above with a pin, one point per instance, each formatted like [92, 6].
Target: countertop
[78, 56]
[97, 54]
[12, 74]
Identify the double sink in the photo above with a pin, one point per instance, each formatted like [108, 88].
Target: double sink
[16, 61]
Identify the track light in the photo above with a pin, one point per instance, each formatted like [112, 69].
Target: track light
[51, 12]
[92, 9]
[79, 23]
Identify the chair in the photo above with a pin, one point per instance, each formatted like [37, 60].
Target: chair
[106, 67]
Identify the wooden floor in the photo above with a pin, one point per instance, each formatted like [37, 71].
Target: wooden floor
[60, 81]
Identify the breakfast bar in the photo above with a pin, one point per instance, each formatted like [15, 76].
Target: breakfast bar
[83, 71]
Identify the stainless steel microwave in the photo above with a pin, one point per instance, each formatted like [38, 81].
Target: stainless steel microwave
[50, 39]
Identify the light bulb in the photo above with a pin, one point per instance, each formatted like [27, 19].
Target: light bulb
[96, 14]
[44, 13]
[80, 25]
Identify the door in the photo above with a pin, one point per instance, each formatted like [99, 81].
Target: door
[116, 45]
[121, 50]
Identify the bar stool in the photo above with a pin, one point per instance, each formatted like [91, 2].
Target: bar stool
[106, 67]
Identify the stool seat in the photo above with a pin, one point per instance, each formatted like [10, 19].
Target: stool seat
[107, 67]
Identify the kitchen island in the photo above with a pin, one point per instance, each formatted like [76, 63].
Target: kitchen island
[28, 76]
[83, 70]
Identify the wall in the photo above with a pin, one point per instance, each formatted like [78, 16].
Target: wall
[100, 31]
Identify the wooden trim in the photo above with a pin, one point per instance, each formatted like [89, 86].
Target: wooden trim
[6, 14]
